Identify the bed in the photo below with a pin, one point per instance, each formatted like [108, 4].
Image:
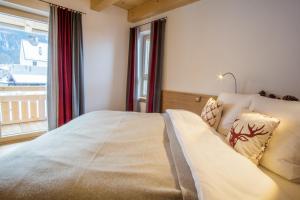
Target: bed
[124, 155]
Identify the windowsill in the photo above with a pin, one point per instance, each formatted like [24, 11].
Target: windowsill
[21, 137]
[142, 99]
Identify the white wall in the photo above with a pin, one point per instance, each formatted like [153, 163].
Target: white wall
[258, 40]
[106, 37]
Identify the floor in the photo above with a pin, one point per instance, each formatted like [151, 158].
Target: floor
[29, 127]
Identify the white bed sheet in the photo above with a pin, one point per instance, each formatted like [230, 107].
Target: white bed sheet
[290, 189]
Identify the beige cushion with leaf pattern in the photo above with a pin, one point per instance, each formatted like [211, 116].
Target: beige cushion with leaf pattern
[212, 112]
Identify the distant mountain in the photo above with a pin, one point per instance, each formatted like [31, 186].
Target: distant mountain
[10, 44]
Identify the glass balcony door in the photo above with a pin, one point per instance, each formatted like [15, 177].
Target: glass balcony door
[23, 75]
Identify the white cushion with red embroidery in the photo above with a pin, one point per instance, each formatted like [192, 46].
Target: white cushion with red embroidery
[250, 134]
[212, 112]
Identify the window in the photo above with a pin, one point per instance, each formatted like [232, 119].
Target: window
[23, 51]
[143, 64]
[23, 75]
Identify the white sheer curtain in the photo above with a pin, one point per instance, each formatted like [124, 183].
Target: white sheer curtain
[52, 80]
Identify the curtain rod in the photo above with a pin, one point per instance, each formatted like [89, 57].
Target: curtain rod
[149, 22]
[61, 6]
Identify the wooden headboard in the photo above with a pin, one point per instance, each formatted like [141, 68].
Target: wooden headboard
[182, 100]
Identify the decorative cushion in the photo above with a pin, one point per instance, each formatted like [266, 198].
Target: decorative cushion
[212, 112]
[250, 134]
[282, 155]
[233, 104]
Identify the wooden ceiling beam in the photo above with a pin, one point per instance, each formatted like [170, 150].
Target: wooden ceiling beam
[128, 4]
[154, 7]
[99, 5]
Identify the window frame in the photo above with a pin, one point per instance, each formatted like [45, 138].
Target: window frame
[10, 10]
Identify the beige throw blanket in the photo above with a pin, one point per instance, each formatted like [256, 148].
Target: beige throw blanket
[101, 155]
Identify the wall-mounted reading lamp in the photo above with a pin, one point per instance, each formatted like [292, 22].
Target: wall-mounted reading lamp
[221, 77]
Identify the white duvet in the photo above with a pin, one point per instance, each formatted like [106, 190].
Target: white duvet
[218, 171]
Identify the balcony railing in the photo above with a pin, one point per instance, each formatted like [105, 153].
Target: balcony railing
[22, 109]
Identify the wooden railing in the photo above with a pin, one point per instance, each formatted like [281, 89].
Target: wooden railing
[19, 104]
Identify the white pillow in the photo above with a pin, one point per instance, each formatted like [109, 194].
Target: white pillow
[233, 104]
[282, 156]
[212, 112]
[250, 134]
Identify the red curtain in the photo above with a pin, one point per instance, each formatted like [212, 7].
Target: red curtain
[131, 74]
[156, 66]
[64, 66]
